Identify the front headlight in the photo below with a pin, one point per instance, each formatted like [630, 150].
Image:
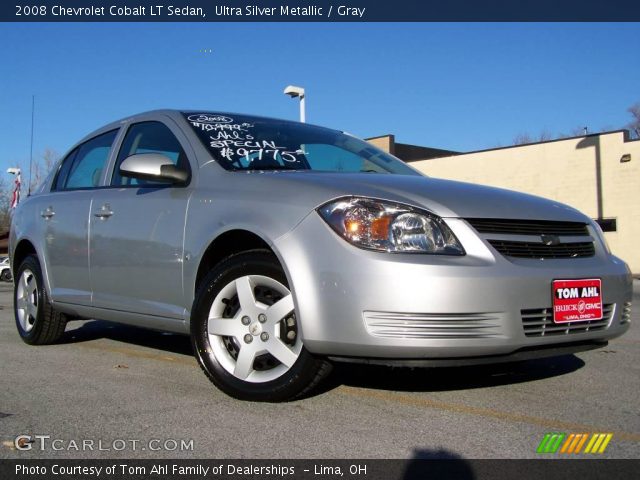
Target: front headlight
[389, 227]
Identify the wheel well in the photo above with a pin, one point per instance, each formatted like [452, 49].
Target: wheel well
[22, 251]
[233, 241]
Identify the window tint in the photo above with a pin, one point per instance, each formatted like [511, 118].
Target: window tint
[63, 171]
[149, 137]
[239, 142]
[331, 158]
[90, 161]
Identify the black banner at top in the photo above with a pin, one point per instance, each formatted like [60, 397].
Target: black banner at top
[320, 11]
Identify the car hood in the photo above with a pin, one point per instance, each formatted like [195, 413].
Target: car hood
[445, 198]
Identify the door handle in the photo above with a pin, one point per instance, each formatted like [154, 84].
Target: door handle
[48, 213]
[104, 212]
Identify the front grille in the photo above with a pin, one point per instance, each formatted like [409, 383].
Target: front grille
[626, 313]
[431, 325]
[528, 227]
[540, 250]
[538, 322]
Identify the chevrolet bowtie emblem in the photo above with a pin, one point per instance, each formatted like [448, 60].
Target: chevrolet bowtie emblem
[550, 239]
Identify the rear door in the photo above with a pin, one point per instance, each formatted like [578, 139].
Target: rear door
[137, 230]
[64, 213]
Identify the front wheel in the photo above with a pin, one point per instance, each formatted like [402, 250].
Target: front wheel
[246, 334]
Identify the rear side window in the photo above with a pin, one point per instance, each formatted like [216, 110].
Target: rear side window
[89, 162]
[63, 172]
[148, 137]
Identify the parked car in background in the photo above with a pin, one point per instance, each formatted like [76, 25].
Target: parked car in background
[5, 269]
[281, 247]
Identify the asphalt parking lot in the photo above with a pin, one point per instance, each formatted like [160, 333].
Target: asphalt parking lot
[117, 385]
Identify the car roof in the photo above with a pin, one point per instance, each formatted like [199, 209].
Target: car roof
[177, 115]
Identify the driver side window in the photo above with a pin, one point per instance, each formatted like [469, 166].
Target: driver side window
[148, 137]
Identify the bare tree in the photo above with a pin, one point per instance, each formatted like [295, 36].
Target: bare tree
[39, 171]
[545, 136]
[634, 125]
[6, 191]
[522, 138]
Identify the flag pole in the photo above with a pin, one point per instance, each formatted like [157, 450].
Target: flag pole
[33, 109]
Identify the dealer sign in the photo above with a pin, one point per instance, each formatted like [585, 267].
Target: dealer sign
[577, 300]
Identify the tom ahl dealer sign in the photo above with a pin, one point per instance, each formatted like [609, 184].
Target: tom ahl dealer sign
[577, 300]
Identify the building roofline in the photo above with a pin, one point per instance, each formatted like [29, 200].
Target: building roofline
[625, 132]
[388, 135]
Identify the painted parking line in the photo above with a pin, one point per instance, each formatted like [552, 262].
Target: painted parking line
[133, 352]
[547, 423]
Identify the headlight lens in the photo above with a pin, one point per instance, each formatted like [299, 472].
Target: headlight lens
[389, 227]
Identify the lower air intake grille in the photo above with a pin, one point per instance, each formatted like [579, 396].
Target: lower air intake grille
[538, 322]
[431, 325]
[540, 250]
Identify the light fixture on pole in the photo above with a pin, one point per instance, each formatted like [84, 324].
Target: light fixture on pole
[294, 92]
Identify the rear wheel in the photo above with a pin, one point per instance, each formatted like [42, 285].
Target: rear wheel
[37, 321]
[246, 334]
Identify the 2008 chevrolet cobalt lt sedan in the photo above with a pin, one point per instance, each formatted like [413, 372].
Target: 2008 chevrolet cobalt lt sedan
[281, 247]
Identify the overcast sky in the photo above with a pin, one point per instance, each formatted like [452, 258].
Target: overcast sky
[456, 86]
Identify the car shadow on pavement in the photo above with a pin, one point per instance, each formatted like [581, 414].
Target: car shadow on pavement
[442, 463]
[401, 379]
[99, 329]
[452, 378]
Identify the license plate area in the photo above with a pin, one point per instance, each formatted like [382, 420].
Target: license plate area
[577, 300]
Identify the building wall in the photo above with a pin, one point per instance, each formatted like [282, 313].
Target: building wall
[566, 171]
[384, 142]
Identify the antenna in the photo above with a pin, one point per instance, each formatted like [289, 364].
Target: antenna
[33, 109]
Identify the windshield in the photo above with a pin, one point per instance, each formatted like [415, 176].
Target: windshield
[250, 143]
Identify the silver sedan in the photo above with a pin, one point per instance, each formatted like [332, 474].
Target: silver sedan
[281, 247]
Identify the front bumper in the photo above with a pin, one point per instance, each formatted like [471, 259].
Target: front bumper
[363, 304]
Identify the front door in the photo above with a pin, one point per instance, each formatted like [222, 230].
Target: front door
[137, 232]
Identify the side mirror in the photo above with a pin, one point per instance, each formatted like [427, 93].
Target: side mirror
[153, 166]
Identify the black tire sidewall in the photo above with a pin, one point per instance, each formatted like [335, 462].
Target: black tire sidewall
[285, 387]
[31, 263]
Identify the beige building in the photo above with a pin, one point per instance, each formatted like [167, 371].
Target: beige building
[598, 174]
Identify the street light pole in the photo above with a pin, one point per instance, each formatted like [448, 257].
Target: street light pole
[302, 111]
[297, 92]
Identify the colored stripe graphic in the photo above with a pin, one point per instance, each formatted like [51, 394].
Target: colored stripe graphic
[543, 443]
[582, 442]
[594, 437]
[551, 442]
[598, 443]
[571, 439]
[606, 441]
[573, 443]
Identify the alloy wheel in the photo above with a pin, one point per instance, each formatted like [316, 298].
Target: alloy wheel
[27, 300]
[252, 329]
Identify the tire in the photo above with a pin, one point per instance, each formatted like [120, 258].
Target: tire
[5, 276]
[245, 333]
[37, 321]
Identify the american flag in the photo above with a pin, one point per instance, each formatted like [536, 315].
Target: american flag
[16, 191]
